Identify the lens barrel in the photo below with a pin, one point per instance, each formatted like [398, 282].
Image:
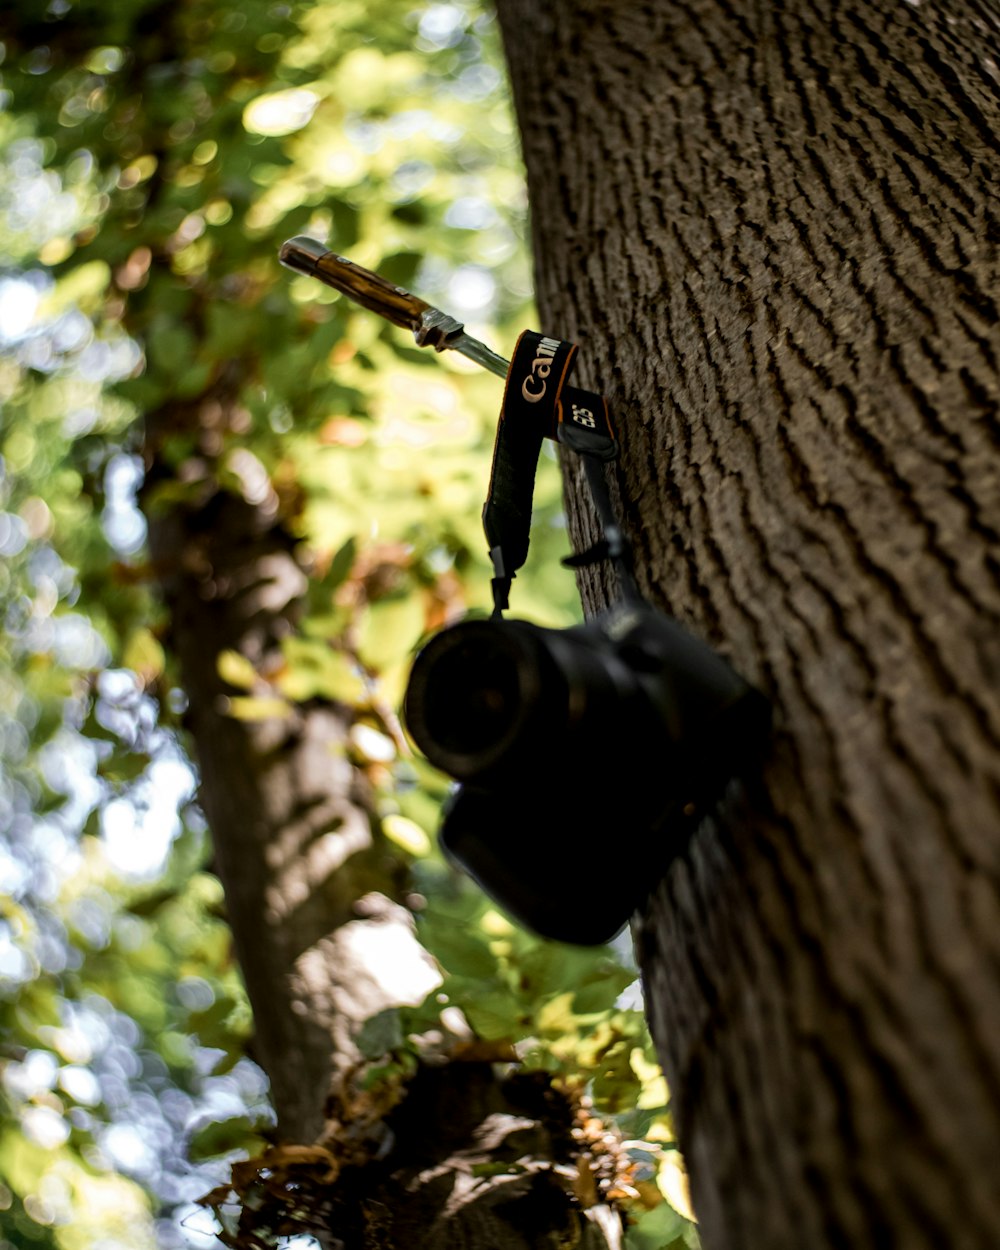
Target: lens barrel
[487, 698]
[479, 694]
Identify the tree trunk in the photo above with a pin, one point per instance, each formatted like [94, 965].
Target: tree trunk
[290, 816]
[773, 230]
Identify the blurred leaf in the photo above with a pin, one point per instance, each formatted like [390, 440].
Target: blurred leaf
[212, 1140]
[81, 287]
[391, 629]
[406, 834]
[400, 268]
[315, 670]
[151, 903]
[494, 1016]
[247, 708]
[123, 766]
[236, 670]
[461, 952]
[380, 1034]
[143, 654]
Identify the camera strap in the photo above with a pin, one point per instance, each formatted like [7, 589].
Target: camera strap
[538, 404]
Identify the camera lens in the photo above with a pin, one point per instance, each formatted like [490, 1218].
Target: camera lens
[475, 693]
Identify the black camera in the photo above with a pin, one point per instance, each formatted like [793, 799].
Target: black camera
[585, 757]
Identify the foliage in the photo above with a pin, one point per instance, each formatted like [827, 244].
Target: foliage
[154, 156]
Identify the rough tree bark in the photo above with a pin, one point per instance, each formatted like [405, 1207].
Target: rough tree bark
[316, 902]
[773, 229]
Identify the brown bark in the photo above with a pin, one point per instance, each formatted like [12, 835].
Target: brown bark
[773, 230]
[290, 819]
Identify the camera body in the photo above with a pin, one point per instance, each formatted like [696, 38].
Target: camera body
[585, 757]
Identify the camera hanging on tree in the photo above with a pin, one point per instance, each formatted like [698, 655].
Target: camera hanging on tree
[584, 756]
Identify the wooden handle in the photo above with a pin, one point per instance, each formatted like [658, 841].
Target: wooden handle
[361, 285]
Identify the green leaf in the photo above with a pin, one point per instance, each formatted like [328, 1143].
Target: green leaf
[400, 268]
[380, 1034]
[601, 993]
[143, 654]
[406, 834]
[494, 1016]
[247, 708]
[223, 1137]
[346, 220]
[391, 629]
[315, 670]
[236, 670]
[149, 904]
[461, 952]
[123, 766]
[82, 287]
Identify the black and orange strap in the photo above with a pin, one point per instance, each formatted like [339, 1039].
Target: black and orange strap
[538, 404]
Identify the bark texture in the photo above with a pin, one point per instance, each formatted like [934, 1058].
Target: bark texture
[306, 882]
[773, 229]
